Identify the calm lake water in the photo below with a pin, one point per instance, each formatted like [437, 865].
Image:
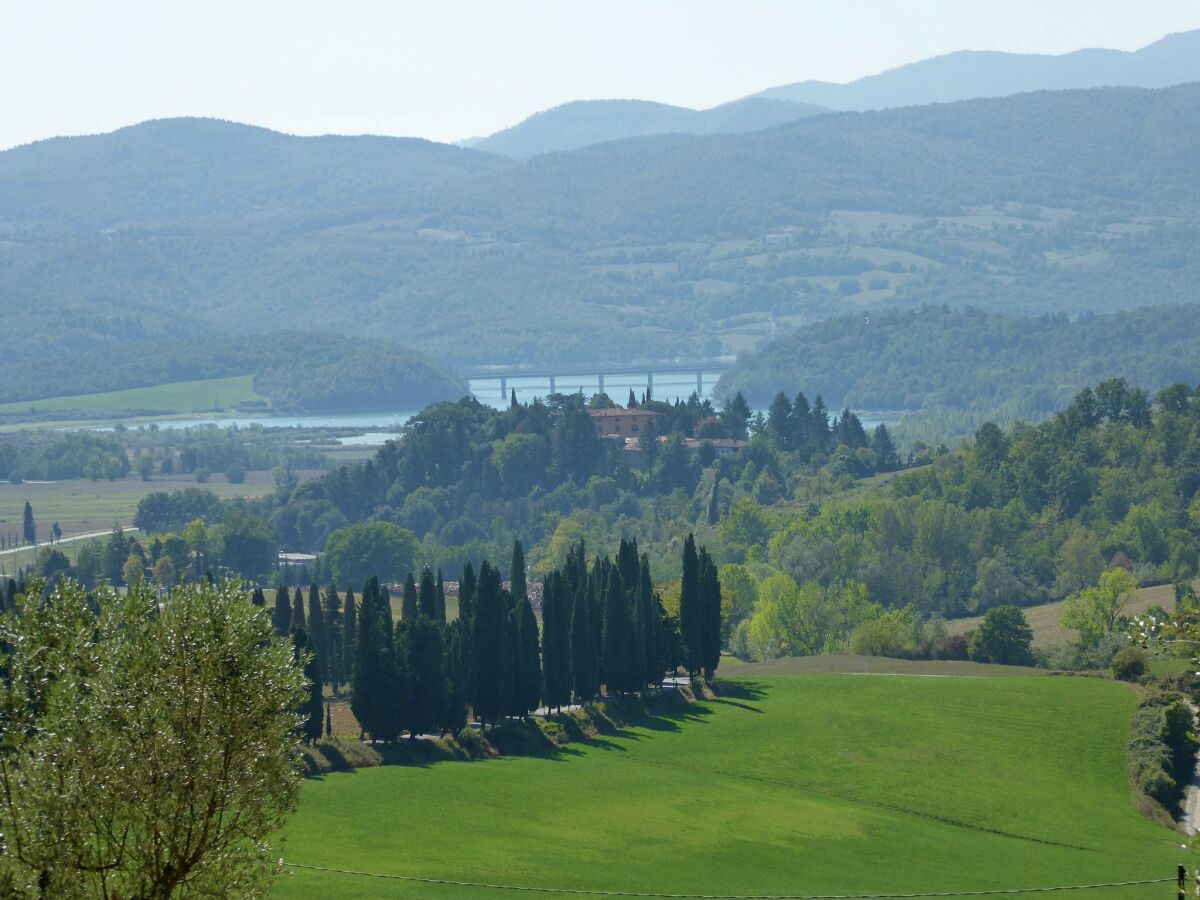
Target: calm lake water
[384, 426]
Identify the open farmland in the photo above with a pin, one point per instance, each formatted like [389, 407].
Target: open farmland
[176, 397]
[785, 785]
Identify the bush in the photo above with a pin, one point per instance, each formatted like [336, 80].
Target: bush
[202, 475]
[473, 742]
[1129, 664]
[235, 474]
[1161, 753]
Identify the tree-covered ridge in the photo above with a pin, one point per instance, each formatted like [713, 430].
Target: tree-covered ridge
[586, 122]
[666, 246]
[294, 370]
[171, 171]
[944, 361]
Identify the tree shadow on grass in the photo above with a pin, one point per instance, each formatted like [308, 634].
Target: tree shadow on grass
[737, 693]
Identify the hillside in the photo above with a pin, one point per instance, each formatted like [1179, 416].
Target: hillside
[938, 359]
[168, 172]
[660, 247]
[970, 74]
[586, 122]
[783, 786]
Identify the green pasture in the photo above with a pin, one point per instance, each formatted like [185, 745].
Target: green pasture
[786, 785]
[176, 397]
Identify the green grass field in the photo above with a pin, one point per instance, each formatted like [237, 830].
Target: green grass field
[786, 785]
[176, 397]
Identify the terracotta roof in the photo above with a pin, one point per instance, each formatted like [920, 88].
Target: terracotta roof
[619, 411]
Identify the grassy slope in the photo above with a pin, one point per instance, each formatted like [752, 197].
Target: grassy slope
[1046, 619]
[178, 396]
[825, 783]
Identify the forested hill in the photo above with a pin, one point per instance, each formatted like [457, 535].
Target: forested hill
[1100, 151]
[653, 248]
[971, 74]
[294, 370]
[941, 359]
[169, 171]
[586, 122]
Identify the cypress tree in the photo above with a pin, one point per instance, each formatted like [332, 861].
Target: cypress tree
[597, 579]
[332, 616]
[317, 630]
[328, 721]
[556, 642]
[710, 628]
[528, 688]
[517, 573]
[617, 632]
[427, 689]
[29, 527]
[490, 664]
[349, 635]
[458, 675]
[258, 598]
[467, 588]
[281, 617]
[426, 597]
[583, 650]
[375, 700]
[313, 708]
[691, 614]
[298, 620]
[650, 622]
[441, 598]
[409, 609]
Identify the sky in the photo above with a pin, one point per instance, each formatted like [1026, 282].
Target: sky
[452, 69]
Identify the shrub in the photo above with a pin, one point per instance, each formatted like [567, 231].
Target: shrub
[235, 474]
[473, 742]
[1129, 664]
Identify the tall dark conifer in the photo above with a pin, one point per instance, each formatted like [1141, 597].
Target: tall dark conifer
[317, 631]
[618, 633]
[467, 589]
[349, 634]
[458, 676]
[427, 596]
[691, 613]
[651, 624]
[556, 641]
[298, 619]
[332, 616]
[710, 628]
[441, 598]
[313, 709]
[409, 608]
[527, 687]
[281, 616]
[491, 668]
[584, 678]
[427, 689]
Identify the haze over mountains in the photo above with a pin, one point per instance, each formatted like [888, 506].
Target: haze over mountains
[965, 75]
[649, 248]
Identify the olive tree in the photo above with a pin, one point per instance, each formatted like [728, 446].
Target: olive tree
[148, 746]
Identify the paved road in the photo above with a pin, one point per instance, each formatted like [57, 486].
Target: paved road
[66, 539]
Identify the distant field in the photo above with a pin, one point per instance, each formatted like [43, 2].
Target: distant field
[874, 665]
[1046, 620]
[81, 505]
[827, 784]
[176, 397]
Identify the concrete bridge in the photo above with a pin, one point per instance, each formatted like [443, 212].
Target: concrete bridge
[551, 375]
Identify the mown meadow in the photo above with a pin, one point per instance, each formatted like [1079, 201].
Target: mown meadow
[823, 783]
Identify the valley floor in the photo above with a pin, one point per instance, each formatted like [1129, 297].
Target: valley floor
[823, 784]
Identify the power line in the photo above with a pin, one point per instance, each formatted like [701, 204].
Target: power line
[663, 896]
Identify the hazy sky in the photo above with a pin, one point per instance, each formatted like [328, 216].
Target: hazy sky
[448, 69]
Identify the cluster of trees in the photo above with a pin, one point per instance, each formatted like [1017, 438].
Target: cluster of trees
[54, 456]
[604, 631]
[795, 426]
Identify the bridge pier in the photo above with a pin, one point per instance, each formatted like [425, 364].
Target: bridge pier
[503, 388]
[649, 385]
[700, 384]
[601, 382]
[552, 390]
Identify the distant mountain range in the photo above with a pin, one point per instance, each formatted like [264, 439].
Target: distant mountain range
[970, 74]
[658, 247]
[965, 75]
[586, 122]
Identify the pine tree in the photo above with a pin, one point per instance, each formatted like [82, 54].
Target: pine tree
[710, 628]
[583, 651]
[281, 617]
[313, 709]
[517, 573]
[298, 620]
[691, 613]
[490, 664]
[458, 676]
[427, 596]
[409, 608]
[349, 634]
[427, 689]
[528, 687]
[556, 641]
[317, 630]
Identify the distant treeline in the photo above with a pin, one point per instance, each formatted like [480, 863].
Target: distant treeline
[604, 631]
[293, 369]
[951, 361]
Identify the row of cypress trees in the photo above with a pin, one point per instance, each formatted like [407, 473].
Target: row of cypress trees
[604, 631]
